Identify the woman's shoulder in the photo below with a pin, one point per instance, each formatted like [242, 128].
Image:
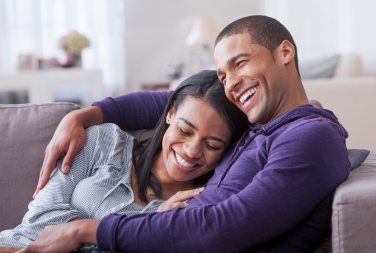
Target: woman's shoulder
[108, 130]
[108, 138]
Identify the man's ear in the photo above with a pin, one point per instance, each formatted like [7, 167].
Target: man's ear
[286, 52]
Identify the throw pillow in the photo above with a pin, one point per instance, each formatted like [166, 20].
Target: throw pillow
[357, 157]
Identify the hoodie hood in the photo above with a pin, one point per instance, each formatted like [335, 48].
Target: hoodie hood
[304, 111]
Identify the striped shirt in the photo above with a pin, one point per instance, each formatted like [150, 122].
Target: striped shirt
[98, 184]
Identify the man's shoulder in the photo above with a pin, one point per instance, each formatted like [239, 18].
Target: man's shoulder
[309, 131]
[311, 125]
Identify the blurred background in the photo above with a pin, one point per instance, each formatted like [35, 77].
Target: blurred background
[85, 50]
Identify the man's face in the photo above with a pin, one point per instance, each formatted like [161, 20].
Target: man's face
[253, 80]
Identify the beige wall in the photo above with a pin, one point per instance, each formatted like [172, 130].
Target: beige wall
[156, 32]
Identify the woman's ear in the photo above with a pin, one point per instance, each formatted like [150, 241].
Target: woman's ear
[170, 115]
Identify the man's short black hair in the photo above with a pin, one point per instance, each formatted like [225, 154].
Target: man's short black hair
[265, 31]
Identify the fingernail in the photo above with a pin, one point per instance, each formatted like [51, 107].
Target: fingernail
[202, 188]
[66, 168]
[186, 204]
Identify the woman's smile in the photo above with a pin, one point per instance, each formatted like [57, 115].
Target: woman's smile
[182, 163]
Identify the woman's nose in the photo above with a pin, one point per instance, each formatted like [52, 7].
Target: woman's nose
[193, 148]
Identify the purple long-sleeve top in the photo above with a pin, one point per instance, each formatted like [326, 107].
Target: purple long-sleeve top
[275, 196]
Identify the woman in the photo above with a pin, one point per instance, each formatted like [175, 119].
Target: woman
[115, 174]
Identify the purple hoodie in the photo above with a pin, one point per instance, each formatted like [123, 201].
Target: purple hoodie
[275, 191]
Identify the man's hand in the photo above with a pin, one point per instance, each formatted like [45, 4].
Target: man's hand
[69, 139]
[177, 200]
[64, 237]
[4, 249]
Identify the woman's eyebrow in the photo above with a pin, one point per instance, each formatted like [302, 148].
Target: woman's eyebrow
[188, 123]
[217, 139]
[194, 127]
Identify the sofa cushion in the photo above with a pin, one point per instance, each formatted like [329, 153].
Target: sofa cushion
[26, 130]
[322, 67]
[354, 210]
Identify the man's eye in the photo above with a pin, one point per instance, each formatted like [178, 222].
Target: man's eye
[223, 81]
[240, 63]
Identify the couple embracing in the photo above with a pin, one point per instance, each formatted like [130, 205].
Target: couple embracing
[258, 164]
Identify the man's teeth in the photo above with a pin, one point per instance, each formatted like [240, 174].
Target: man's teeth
[182, 162]
[247, 94]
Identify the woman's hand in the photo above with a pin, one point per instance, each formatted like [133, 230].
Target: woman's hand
[69, 139]
[177, 200]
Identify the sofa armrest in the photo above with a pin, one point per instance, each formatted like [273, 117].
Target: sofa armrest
[354, 210]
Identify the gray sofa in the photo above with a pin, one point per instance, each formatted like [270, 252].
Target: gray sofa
[26, 130]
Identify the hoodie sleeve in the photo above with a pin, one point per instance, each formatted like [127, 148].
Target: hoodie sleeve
[139, 110]
[303, 169]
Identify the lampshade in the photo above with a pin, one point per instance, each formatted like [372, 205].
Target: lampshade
[203, 32]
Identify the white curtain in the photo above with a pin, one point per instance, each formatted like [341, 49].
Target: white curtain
[35, 26]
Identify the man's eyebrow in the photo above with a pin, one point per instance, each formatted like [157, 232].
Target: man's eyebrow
[231, 61]
[188, 123]
[234, 58]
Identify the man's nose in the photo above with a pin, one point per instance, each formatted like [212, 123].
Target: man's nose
[232, 82]
[193, 148]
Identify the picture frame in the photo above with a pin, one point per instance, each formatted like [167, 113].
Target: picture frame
[27, 62]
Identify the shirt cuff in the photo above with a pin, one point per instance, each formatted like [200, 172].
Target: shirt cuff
[106, 231]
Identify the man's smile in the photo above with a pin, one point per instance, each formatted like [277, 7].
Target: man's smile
[247, 94]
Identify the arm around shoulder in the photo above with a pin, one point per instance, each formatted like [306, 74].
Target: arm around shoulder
[69, 138]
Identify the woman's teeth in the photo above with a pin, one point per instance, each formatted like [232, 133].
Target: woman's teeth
[183, 163]
[247, 94]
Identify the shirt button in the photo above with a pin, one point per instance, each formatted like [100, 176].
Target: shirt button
[113, 210]
[122, 204]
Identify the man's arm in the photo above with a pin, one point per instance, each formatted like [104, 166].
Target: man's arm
[140, 110]
[302, 171]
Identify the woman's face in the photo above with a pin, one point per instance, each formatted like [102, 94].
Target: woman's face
[195, 140]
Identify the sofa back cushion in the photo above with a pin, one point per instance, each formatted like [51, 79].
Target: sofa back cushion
[25, 132]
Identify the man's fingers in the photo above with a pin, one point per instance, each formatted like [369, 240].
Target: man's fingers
[35, 193]
[69, 159]
[24, 249]
[48, 167]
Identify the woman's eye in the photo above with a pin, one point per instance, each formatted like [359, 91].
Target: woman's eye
[211, 147]
[183, 132]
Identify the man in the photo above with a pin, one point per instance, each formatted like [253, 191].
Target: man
[272, 192]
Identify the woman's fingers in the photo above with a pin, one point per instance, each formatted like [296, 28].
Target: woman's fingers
[185, 195]
[179, 204]
[177, 200]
